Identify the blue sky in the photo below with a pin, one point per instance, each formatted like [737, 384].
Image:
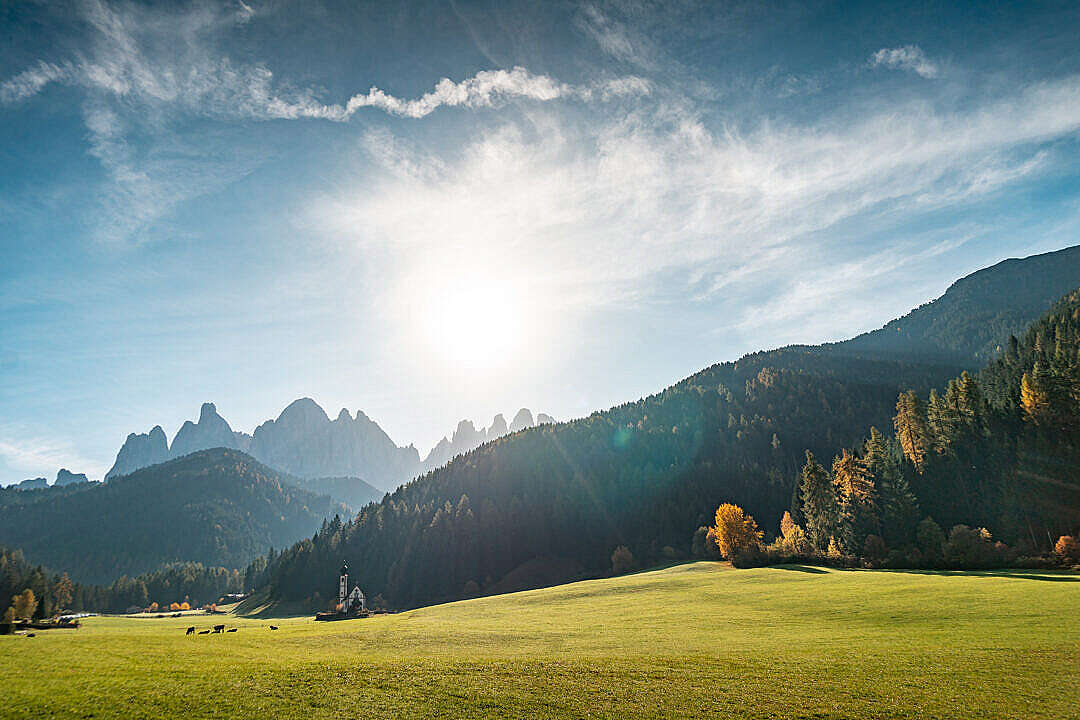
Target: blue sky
[436, 211]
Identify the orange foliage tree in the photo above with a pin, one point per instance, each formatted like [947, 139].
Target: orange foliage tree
[734, 531]
[1068, 548]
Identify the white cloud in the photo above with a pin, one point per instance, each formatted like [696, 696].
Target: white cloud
[906, 57]
[34, 456]
[142, 69]
[608, 212]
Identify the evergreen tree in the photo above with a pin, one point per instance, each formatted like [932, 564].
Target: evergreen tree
[820, 508]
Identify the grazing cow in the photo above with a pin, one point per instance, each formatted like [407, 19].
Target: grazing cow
[30, 635]
[190, 630]
[219, 628]
[231, 630]
[273, 627]
[204, 632]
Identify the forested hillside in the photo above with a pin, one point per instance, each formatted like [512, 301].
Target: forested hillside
[988, 457]
[552, 502]
[188, 582]
[217, 507]
[970, 323]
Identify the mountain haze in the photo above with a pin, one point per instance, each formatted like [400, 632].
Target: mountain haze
[304, 442]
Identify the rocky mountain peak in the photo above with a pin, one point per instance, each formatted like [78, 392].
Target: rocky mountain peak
[523, 419]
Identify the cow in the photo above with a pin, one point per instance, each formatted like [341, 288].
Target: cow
[30, 635]
[204, 632]
[219, 628]
[231, 630]
[273, 627]
[190, 630]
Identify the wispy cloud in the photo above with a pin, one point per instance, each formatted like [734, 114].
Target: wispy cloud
[136, 81]
[603, 214]
[906, 57]
[37, 456]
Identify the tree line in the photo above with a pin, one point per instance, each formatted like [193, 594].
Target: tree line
[51, 593]
[995, 451]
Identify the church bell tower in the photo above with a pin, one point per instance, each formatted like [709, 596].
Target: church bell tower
[343, 584]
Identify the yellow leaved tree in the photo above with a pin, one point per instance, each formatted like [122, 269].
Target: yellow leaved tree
[734, 531]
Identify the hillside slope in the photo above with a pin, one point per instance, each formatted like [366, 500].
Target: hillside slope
[644, 474]
[217, 507]
[692, 641]
[971, 322]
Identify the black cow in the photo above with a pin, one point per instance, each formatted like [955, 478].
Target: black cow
[30, 635]
[219, 628]
[190, 630]
[273, 627]
[231, 630]
[204, 632]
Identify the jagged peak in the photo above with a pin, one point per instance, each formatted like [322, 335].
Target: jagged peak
[208, 411]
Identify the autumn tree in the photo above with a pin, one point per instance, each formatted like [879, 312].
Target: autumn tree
[911, 428]
[1068, 548]
[1034, 397]
[62, 591]
[25, 604]
[856, 501]
[820, 507]
[734, 531]
[793, 538]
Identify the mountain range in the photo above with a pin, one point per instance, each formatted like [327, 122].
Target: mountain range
[304, 442]
[550, 504]
[531, 501]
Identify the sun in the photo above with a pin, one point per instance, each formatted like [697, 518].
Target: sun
[474, 322]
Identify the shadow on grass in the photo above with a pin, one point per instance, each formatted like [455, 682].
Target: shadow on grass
[1044, 576]
[803, 569]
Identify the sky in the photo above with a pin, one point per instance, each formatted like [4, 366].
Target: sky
[444, 210]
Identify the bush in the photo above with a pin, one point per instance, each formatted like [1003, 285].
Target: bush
[968, 547]
[702, 545]
[931, 540]
[874, 548]
[622, 560]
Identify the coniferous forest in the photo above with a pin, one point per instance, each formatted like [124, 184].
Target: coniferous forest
[990, 451]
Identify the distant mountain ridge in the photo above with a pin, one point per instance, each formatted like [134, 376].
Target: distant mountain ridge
[969, 324]
[219, 507]
[304, 442]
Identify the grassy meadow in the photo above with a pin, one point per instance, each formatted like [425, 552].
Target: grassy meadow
[696, 640]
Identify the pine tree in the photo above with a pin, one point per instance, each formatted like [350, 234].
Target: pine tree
[820, 509]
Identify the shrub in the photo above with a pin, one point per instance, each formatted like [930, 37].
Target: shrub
[931, 540]
[622, 560]
[874, 547]
[702, 545]
[968, 547]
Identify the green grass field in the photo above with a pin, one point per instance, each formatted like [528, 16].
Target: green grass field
[697, 640]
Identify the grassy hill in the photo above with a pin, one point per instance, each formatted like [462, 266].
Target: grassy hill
[218, 507]
[697, 640]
